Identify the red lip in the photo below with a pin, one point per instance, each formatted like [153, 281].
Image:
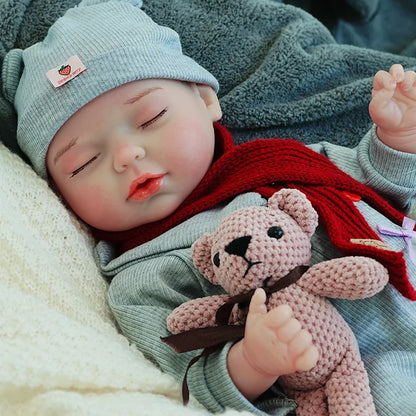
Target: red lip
[145, 186]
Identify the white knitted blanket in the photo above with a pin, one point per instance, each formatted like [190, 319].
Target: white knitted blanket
[60, 351]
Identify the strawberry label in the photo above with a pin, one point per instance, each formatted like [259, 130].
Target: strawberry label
[66, 72]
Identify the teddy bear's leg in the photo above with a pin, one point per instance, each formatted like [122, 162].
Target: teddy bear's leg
[311, 403]
[348, 391]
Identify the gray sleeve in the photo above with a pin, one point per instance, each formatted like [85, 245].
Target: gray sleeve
[389, 172]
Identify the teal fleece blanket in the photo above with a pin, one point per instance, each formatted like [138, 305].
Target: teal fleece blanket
[282, 72]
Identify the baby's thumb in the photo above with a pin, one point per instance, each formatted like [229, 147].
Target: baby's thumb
[258, 302]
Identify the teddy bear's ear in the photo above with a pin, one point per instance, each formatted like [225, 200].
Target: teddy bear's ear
[201, 255]
[295, 203]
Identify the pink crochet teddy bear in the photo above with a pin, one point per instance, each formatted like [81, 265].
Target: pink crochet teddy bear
[263, 247]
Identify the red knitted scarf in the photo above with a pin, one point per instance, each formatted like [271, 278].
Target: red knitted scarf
[267, 165]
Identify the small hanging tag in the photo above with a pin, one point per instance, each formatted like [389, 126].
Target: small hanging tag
[64, 73]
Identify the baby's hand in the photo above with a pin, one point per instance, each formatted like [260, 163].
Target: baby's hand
[393, 108]
[274, 343]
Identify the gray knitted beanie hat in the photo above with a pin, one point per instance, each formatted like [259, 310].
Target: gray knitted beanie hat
[94, 47]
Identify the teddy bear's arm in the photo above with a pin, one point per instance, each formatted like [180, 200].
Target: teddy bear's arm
[196, 313]
[352, 277]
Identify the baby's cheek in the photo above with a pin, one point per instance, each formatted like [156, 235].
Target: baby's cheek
[191, 150]
[93, 204]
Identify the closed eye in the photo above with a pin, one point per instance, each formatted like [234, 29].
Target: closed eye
[76, 171]
[151, 121]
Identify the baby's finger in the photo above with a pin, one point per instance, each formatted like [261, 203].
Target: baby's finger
[397, 72]
[257, 303]
[408, 80]
[383, 80]
[308, 359]
[301, 342]
[279, 316]
[289, 330]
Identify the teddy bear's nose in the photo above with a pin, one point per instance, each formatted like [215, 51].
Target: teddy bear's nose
[238, 246]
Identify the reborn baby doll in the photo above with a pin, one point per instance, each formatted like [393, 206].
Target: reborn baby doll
[129, 140]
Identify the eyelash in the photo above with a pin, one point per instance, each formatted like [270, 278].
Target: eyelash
[76, 171]
[144, 125]
[148, 123]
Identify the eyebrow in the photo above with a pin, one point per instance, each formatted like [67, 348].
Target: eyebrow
[141, 94]
[131, 100]
[60, 152]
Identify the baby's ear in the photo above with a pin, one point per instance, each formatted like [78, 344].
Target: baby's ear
[211, 101]
[201, 255]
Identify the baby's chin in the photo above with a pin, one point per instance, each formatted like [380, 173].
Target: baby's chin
[154, 210]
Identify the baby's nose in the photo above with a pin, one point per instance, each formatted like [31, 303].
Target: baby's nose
[125, 154]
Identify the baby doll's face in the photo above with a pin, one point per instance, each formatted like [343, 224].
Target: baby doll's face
[132, 155]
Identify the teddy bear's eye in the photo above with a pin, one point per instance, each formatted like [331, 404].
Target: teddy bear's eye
[216, 260]
[275, 232]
